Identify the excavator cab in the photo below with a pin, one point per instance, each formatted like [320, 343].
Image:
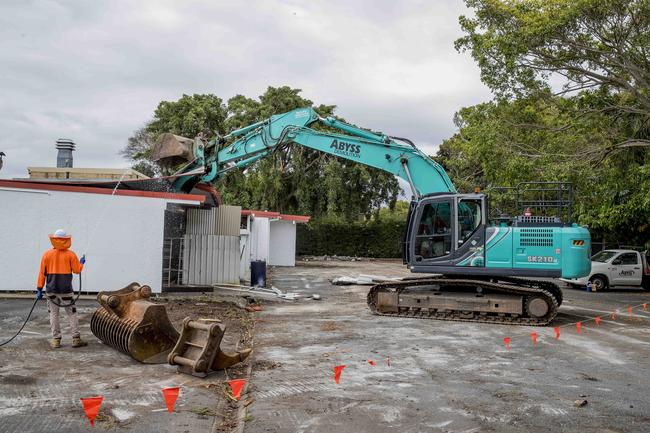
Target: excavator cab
[445, 229]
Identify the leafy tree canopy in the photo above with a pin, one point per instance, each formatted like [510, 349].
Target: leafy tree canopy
[572, 86]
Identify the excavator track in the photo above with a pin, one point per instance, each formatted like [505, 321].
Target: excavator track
[416, 298]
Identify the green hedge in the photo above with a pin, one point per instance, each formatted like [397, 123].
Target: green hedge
[379, 239]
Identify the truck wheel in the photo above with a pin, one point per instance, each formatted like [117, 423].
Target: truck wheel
[598, 282]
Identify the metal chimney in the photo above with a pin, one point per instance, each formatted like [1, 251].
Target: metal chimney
[64, 157]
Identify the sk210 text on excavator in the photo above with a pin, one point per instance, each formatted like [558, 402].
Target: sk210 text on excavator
[484, 271]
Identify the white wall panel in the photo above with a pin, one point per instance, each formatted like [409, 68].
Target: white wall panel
[283, 243]
[259, 239]
[121, 236]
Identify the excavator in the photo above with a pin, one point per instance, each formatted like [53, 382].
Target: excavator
[479, 270]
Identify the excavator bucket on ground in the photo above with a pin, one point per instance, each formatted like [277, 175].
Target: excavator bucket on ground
[197, 351]
[130, 323]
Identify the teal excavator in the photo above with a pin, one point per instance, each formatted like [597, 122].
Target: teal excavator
[495, 271]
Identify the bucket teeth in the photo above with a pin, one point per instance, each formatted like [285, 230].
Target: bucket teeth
[130, 323]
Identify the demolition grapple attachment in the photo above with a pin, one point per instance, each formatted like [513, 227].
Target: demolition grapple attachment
[127, 321]
[197, 351]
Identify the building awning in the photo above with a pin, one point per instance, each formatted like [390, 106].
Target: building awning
[85, 188]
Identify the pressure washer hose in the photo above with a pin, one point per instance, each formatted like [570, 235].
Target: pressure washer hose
[29, 315]
[24, 323]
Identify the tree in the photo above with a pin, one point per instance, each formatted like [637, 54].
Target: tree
[189, 116]
[138, 151]
[520, 45]
[572, 86]
[496, 146]
[600, 47]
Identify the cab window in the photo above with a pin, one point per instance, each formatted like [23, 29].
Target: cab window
[433, 237]
[469, 219]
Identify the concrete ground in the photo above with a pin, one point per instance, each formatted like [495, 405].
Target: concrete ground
[40, 388]
[443, 376]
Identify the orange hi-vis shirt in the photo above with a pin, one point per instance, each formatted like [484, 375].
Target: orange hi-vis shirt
[57, 267]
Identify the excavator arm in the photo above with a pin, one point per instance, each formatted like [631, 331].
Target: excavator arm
[251, 143]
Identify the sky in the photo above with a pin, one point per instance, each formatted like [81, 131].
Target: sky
[94, 71]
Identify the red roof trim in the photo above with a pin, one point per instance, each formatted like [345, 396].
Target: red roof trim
[90, 190]
[296, 218]
[268, 214]
[260, 213]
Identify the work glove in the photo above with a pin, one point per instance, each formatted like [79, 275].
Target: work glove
[83, 260]
[39, 294]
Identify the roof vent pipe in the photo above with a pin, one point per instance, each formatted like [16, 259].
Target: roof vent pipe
[65, 147]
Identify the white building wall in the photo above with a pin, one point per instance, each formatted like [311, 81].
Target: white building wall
[283, 243]
[121, 236]
[244, 253]
[259, 238]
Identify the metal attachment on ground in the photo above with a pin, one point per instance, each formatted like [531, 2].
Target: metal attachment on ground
[130, 323]
[197, 351]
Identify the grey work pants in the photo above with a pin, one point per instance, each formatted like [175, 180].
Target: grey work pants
[71, 311]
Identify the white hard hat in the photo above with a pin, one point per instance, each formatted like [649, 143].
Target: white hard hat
[60, 233]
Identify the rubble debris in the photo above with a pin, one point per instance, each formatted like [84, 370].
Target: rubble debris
[272, 292]
[326, 258]
[363, 280]
[580, 403]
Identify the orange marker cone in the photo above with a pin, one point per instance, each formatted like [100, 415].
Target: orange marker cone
[337, 373]
[506, 341]
[91, 407]
[236, 385]
[371, 362]
[629, 311]
[578, 325]
[645, 307]
[597, 320]
[557, 333]
[170, 394]
[533, 335]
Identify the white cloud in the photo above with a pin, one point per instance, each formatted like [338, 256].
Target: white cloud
[95, 71]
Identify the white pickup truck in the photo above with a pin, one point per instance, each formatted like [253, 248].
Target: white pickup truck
[616, 268]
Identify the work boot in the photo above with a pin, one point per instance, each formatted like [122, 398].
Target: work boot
[55, 343]
[78, 342]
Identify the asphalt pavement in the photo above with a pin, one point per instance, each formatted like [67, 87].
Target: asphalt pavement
[443, 376]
